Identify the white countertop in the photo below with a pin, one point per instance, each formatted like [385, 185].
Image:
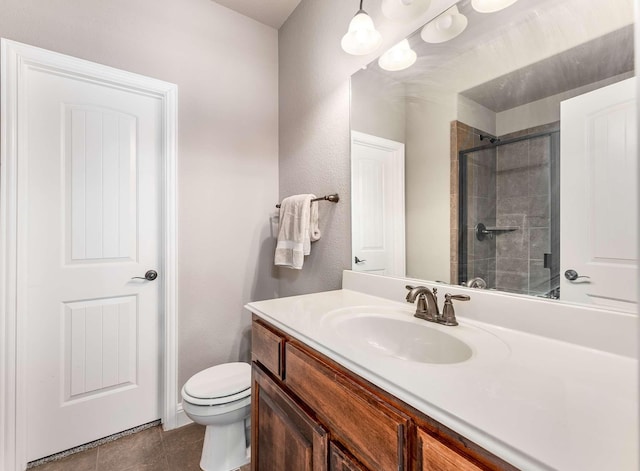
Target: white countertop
[538, 403]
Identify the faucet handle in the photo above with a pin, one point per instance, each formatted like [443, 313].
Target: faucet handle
[448, 312]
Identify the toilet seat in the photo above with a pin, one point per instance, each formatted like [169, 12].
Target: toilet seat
[219, 384]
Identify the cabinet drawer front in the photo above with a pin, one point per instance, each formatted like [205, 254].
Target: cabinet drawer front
[435, 456]
[372, 431]
[267, 348]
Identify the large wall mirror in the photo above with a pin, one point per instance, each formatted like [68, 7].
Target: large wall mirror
[505, 156]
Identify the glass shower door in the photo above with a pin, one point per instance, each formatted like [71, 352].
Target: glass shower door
[509, 201]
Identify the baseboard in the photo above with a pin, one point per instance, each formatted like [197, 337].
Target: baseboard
[181, 417]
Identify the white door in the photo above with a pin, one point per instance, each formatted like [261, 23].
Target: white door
[91, 151]
[599, 187]
[377, 205]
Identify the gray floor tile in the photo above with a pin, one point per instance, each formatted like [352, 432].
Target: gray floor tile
[83, 461]
[140, 449]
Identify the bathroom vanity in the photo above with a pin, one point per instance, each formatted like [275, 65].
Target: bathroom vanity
[310, 413]
[335, 388]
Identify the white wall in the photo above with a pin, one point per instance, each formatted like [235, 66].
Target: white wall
[475, 115]
[378, 106]
[225, 66]
[428, 170]
[314, 124]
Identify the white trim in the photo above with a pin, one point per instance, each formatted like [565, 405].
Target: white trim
[397, 196]
[181, 417]
[15, 57]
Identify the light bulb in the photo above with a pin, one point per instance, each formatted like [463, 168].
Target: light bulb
[445, 27]
[399, 57]
[490, 6]
[362, 36]
[403, 10]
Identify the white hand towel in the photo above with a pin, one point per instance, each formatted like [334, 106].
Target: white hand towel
[298, 227]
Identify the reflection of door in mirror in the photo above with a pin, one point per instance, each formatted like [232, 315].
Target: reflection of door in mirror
[599, 185]
[377, 193]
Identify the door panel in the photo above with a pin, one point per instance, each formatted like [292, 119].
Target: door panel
[99, 147]
[92, 156]
[599, 196]
[99, 346]
[377, 193]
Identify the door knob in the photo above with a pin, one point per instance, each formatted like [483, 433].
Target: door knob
[358, 260]
[572, 275]
[149, 276]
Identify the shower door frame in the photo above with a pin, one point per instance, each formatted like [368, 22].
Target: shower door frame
[462, 174]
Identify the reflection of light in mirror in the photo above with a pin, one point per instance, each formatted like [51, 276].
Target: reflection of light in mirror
[362, 36]
[445, 27]
[399, 57]
[490, 6]
[401, 10]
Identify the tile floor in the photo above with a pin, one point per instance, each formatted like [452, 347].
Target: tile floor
[149, 450]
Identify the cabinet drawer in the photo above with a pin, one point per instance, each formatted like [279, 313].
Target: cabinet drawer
[368, 428]
[435, 456]
[267, 348]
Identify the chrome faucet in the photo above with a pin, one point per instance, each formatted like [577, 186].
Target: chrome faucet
[427, 305]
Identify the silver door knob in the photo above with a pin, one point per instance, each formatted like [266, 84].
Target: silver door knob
[149, 276]
[358, 260]
[572, 275]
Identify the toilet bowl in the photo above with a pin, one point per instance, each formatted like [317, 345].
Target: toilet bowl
[220, 399]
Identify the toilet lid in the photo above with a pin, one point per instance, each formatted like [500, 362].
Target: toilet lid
[220, 381]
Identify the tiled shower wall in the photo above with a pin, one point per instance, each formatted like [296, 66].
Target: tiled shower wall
[523, 201]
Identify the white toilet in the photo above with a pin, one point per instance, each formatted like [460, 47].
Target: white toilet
[220, 398]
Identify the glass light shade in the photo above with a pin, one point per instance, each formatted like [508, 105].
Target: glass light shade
[402, 10]
[399, 57]
[362, 36]
[490, 6]
[445, 27]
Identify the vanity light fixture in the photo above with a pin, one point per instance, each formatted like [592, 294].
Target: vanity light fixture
[362, 37]
[402, 10]
[445, 27]
[399, 57]
[490, 6]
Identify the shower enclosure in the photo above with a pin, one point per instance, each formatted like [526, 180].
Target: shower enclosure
[509, 214]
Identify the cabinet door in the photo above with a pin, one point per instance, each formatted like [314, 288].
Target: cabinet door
[368, 427]
[435, 456]
[340, 460]
[284, 437]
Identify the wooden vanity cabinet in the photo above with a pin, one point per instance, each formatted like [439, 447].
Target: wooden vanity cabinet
[310, 413]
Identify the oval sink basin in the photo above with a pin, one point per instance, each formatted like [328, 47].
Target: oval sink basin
[403, 339]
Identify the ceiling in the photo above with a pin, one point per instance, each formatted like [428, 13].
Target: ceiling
[269, 12]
